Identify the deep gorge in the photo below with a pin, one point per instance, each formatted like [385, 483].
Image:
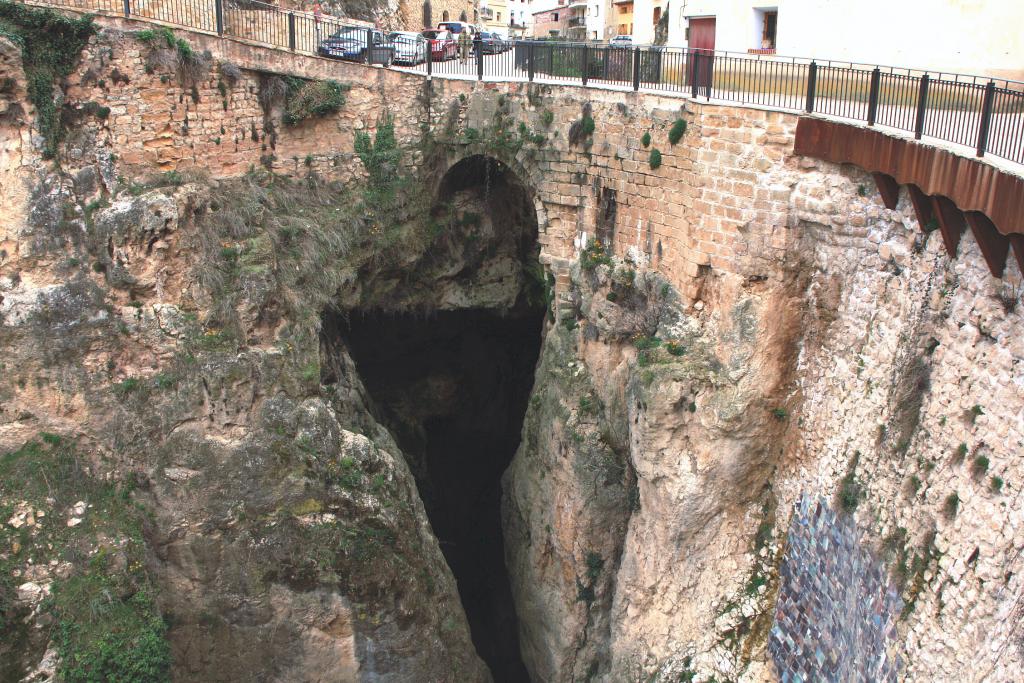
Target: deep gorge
[452, 387]
[294, 392]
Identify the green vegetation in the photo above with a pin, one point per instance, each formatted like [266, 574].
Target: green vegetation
[585, 591]
[951, 505]
[980, 466]
[106, 626]
[959, 454]
[312, 99]
[50, 46]
[582, 129]
[976, 410]
[547, 117]
[594, 255]
[381, 159]
[588, 405]
[526, 135]
[780, 414]
[646, 140]
[850, 490]
[677, 131]
[645, 343]
[674, 348]
[164, 37]
[127, 386]
[995, 484]
[587, 125]
[655, 159]
[914, 484]
[909, 572]
[687, 675]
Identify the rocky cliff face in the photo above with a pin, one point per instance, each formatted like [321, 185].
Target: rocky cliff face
[221, 401]
[278, 510]
[648, 509]
[189, 488]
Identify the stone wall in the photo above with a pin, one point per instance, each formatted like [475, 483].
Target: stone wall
[159, 120]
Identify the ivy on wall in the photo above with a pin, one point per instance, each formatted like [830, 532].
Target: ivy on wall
[50, 45]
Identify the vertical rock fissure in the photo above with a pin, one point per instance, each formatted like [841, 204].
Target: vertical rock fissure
[449, 366]
[452, 388]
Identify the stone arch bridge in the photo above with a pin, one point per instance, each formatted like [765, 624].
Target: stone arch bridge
[728, 197]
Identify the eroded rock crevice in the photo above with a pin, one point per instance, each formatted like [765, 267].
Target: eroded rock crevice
[449, 371]
[452, 388]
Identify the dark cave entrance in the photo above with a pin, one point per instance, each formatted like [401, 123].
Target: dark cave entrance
[452, 385]
[453, 390]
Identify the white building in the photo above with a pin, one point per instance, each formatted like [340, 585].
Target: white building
[973, 36]
[520, 19]
[598, 12]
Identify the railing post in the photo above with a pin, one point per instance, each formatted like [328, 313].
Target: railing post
[479, 59]
[367, 59]
[430, 59]
[529, 61]
[127, 8]
[812, 85]
[291, 31]
[709, 75]
[922, 107]
[876, 80]
[636, 69]
[694, 73]
[586, 64]
[986, 117]
[218, 11]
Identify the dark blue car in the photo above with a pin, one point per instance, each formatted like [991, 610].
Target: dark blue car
[350, 43]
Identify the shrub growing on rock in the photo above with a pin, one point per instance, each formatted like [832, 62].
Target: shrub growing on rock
[655, 159]
[312, 99]
[677, 131]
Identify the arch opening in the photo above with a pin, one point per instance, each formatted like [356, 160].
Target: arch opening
[452, 385]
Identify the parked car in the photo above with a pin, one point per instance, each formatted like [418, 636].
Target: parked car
[442, 44]
[410, 48]
[349, 42]
[490, 43]
[457, 27]
[504, 41]
[621, 41]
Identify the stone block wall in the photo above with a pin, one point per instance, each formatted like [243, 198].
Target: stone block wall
[160, 121]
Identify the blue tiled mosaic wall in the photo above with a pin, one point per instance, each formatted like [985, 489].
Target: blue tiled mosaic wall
[835, 619]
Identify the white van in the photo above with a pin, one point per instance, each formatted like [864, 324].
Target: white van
[457, 27]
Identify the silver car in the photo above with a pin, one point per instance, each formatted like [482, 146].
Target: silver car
[410, 48]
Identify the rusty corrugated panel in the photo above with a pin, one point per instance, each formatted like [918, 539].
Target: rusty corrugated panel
[971, 184]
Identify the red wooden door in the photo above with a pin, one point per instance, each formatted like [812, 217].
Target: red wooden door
[702, 34]
[702, 48]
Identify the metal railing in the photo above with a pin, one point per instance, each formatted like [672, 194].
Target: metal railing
[984, 114]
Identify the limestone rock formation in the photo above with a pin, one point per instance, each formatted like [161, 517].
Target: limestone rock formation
[260, 380]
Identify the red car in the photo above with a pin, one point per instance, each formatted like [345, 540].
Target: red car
[442, 44]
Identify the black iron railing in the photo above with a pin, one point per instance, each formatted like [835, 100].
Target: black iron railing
[982, 113]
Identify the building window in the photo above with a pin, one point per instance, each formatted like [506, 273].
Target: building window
[499, 16]
[556, 17]
[657, 14]
[765, 24]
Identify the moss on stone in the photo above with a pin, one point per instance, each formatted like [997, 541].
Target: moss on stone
[107, 625]
[50, 46]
